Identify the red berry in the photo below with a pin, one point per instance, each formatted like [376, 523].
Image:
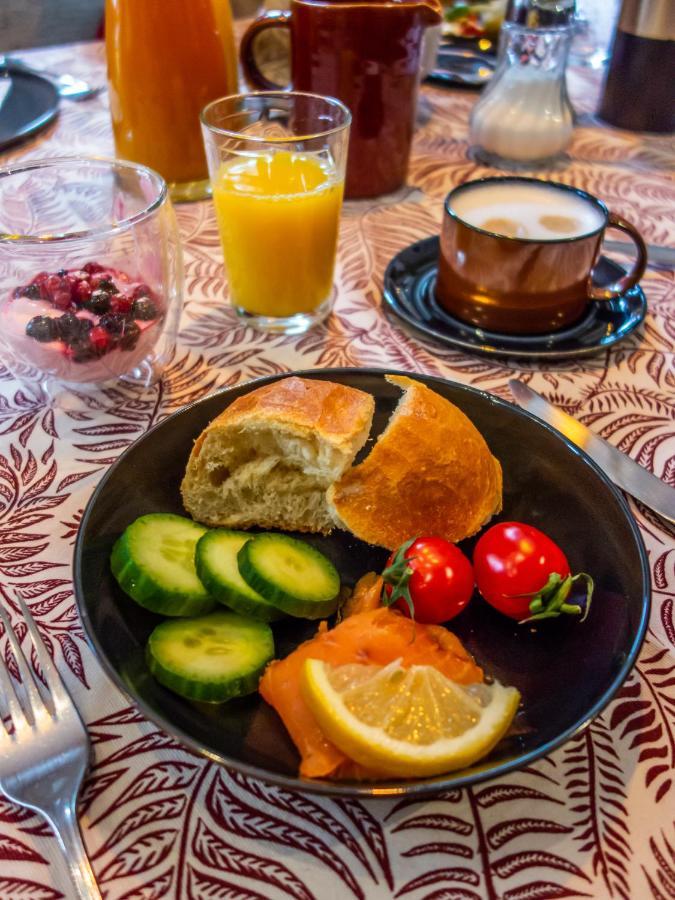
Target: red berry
[92, 267]
[98, 279]
[61, 299]
[82, 291]
[122, 304]
[41, 281]
[100, 338]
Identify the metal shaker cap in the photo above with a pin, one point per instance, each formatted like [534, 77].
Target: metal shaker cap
[653, 19]
[541, 13]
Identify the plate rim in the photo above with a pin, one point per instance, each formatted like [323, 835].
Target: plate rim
[36, 124]
[489, 350]
[374, 790]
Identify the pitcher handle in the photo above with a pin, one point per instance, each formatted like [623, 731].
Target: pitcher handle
[252, 73]
[637, 270]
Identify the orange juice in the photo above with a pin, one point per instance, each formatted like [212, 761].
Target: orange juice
[278, 214]
[166, 60]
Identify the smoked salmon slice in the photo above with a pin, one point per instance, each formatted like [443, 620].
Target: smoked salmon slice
[373, 636]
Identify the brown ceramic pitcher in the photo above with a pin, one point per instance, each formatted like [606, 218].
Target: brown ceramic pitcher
[367, 54]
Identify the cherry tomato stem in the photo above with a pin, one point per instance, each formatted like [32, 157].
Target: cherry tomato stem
[521, 572]
[428, 579]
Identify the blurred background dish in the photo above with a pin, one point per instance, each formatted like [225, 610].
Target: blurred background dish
[28, 103]
[461, 67]
[475, 23]
[461, 51]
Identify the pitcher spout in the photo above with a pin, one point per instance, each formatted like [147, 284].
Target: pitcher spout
[430, 11]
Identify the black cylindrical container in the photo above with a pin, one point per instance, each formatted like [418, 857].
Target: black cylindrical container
[639, 92]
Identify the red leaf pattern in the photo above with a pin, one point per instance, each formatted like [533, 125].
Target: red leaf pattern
[156, 889]
[142, 854]
[217, 854]
[592, 820]
[13, 849]
[22, 889]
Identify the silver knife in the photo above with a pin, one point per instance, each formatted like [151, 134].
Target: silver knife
[657, 256]
[621, 469]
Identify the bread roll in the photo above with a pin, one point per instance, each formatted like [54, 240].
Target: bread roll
[430, 472]
[268, 459]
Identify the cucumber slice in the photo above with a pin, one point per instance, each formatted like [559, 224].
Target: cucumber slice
[290, 574]
[212, 658]
[153, 562]
[216, 563]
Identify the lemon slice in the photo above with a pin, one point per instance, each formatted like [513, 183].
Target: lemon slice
[407, 722]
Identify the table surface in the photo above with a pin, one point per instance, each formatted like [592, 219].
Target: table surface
[595, 819]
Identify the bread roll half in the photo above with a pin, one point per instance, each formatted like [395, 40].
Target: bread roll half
[430, 472]
[268, 459]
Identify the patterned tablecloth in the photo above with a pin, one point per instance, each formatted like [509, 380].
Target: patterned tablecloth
[595, 819]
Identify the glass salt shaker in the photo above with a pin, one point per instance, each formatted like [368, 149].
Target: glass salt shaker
[524, 117]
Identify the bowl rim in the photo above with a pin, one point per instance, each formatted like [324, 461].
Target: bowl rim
[92, 161]
[385, 788]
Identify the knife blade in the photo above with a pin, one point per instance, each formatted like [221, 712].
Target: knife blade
[621, 469]
[658, 256]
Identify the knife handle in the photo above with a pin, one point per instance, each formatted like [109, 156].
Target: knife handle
[637, 270]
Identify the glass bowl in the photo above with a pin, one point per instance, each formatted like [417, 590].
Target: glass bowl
[91, 273]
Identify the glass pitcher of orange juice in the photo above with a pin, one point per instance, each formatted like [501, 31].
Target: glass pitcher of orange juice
[166, 60]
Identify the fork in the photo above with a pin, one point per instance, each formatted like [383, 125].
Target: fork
[44, 756]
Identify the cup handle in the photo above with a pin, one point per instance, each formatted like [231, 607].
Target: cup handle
[249, 64]
[631, 278]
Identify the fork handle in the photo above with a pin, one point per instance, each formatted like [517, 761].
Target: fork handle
[63, 820]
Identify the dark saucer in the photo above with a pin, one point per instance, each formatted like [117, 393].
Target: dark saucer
[409, 283]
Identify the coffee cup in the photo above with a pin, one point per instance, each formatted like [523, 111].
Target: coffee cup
[517, 254]
[366, 53]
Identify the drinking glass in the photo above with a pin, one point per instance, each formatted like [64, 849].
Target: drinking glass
[595, 23]
[91, 273]
[277, 164]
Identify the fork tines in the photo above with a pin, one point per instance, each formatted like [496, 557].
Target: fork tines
[28, 712]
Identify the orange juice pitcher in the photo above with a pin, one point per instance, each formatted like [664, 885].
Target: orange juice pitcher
[166, 60]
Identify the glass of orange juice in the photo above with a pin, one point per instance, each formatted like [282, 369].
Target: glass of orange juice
[277, 166]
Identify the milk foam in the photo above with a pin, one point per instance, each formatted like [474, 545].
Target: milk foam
[530, 211]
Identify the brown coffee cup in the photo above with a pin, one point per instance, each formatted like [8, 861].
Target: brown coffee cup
[367, 54]
[520, 285]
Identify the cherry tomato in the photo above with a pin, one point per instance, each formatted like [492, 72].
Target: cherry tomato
[435, 576]
[513, 562]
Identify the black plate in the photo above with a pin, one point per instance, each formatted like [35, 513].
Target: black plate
[409, 283]
[567, 672]
[462, 67]
[31, 103]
